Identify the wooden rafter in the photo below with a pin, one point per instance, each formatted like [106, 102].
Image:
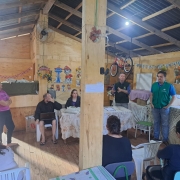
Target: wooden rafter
[134, 41]
[18, 15]
[64, 33]
[16, 26]
[48, 6]
[175, 3]
[73, 26]
[69, 15]
[6, 35]
[158, 13]
[142, 24]
[20, 3]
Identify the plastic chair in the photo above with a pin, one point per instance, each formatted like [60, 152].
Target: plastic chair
[122, 169]
[38, 133]
[16, 174]
[177, 176]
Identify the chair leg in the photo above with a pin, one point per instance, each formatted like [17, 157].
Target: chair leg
[136, 130]
[57, 133]
[149, 133]
[38, 133]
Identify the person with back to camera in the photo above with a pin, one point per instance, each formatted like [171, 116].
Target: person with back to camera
[116, 148]
[171, 154]
[74, 99]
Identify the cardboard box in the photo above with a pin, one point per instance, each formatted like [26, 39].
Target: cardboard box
[141, 102]
[30, 124]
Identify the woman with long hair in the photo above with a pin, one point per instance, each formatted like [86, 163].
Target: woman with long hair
[74, 99]
[7, 157]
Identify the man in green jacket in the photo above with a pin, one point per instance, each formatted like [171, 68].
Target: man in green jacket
[162, 96]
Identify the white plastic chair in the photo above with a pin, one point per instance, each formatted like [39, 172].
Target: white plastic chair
[38, 133]
[143, 154]
[22, 173]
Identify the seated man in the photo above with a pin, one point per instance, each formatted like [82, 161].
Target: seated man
[171, 154]
[46, 105]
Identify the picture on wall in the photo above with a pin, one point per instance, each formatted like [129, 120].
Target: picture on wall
[78, 76]
[68, 75]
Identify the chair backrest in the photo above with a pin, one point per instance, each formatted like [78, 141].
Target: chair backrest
[177, 176]
[16, 174]
[122, 169]
[151, 149]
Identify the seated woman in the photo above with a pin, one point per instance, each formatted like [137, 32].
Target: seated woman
[115, 147]
[7, 157]
[170, 153]
[74, 99]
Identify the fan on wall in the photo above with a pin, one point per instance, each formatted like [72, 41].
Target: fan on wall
[44, 34]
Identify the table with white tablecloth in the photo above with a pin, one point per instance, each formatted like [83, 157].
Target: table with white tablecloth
[70, 122]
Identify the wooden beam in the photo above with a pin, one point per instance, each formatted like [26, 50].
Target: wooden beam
[64, 33]
[123, 49]
[16, 26]
[16, 16]
[142, 24]
[155, 46]
[67, 8]
[20, 3]
[73, 26]
[175, 3]
[171, 27]
[77, 34]
[134, 41]
[93, 57]
[20, 10]
[48, 6]
[158, 13]
[6, 35]
[69, 15]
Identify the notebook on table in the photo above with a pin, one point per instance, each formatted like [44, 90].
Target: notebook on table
[47, 116]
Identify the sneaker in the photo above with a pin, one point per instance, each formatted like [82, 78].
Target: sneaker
[166, 143]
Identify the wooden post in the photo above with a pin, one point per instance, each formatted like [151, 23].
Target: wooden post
[91, 123]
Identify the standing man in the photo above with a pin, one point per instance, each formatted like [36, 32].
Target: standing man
[162, 96]
[48, 104]
[122, 90]
[5, 116]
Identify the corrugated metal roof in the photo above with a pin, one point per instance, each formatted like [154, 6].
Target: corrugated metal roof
[59, 12]
[71, 3]
[68, 29]
[75, 20]
[53, 22]
[175, 33]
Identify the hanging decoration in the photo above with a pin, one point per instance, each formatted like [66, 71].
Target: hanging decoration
[177, 74]
[45, 73]
[95, 35]
[68, 75]
[58, 71]
[17, 75]
[163, 67]
[78, 76]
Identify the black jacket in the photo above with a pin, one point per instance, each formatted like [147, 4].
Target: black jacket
[77, 103]
[43, 107]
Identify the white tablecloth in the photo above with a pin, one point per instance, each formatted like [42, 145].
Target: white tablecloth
[94, 173]
[70, 123]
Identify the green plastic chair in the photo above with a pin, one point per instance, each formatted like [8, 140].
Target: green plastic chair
[144, 123]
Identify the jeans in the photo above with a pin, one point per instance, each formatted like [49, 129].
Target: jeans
[161, 118]
[125, 105]
[6, 119]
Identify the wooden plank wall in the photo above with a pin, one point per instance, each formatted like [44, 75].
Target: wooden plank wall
[156, 60]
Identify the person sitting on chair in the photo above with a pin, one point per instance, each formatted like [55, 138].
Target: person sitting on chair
[116, 148]
[46, 105]
[171, 154]
[74, 99]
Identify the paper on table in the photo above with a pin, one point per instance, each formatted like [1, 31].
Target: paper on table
[94, 88]
[109, 109]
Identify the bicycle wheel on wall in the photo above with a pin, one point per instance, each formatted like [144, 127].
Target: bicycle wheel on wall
[128, 64]
[114, 69]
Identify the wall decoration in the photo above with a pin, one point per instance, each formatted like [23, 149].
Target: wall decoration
[78, 76]
[58, 87]
[58, 71]
[68, 87]
[68, 75]
[160, 66]
[177, 74]
[63, 88]
[17, 75]
[45, 73]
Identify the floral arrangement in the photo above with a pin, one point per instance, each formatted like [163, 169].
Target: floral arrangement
[177, 73]
[163, 68]
[45, 73]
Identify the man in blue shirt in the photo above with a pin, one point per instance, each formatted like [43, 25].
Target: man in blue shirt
[162, 96]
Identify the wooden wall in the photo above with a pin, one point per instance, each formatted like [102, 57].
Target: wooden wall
[156, 60]
[15, 57]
